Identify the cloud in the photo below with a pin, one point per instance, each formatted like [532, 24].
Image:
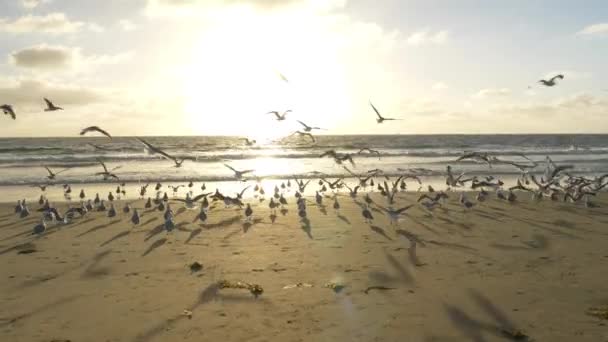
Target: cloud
[31, 4]
[29, 93]
[495, 92]
[47, 57]
[439, 86]
[595, 30]
[43, 57]
[168, 8]
[127, 25]
[53, 23]
[428, 37]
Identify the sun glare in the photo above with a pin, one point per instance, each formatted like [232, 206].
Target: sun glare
[233, 78]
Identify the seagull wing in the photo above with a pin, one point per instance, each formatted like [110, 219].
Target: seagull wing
[49, 171]
[103, 165]
[156, 149]
[310, 136]
[49, 104]
[402, 210]
[243, 191]
[95, 129]
[303, 124]
[376, 110]
[201, 196]
[231, 168]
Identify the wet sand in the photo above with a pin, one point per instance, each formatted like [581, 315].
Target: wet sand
[475, 276]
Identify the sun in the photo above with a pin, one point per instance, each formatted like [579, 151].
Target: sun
[235, 74]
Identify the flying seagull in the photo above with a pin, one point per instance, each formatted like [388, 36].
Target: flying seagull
[380, 118]
[153, 150]
[280, 117]
[307, 128]
[95, 129]
[52, 174]
[107, 173]
[305, 134]
[552, 81]
[50, 107]
[283, 77]
[238, 174]
[8, 110]
[249, 142]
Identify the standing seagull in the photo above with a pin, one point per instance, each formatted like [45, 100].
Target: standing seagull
[551, 82]
[280, 117]
[95, 129]
[50, 107]
[8, 110]
[380, 118]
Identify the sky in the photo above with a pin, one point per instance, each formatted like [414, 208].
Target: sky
[213, 67]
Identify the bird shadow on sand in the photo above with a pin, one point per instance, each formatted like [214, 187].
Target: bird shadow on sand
[306, 227]
[78, 223]
[322, 209]
[150, 220]
[399, 273]
[154, 231]
[27, 232]
[156, 244]
[93, 270]
[539, 242]
[115, 237]
[343, 218]
[194, 233]
[247, 225]
[223, 223]
[18, 247]
[474, 329]
[210, 293]
[4, 322]
[20, 222]
[98, 227]
[380, 231]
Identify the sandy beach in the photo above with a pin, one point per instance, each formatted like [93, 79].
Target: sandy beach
[500, 269]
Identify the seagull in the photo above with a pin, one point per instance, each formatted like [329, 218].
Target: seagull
[380, 118]
[338, 158]
[249, 142]
[370, 151]
[280, 117]
[308, 128]
[107, 174]
[394, 214]
[152, 149]
[306, 135]
[95, 129]
[238, 174]
[52, 174]
[248, 212]
[551, 82]
[50, 107]
[8, 110]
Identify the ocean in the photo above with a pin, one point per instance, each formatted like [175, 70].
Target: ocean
[22, 159]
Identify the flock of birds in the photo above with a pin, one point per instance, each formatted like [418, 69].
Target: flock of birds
[556, 183]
